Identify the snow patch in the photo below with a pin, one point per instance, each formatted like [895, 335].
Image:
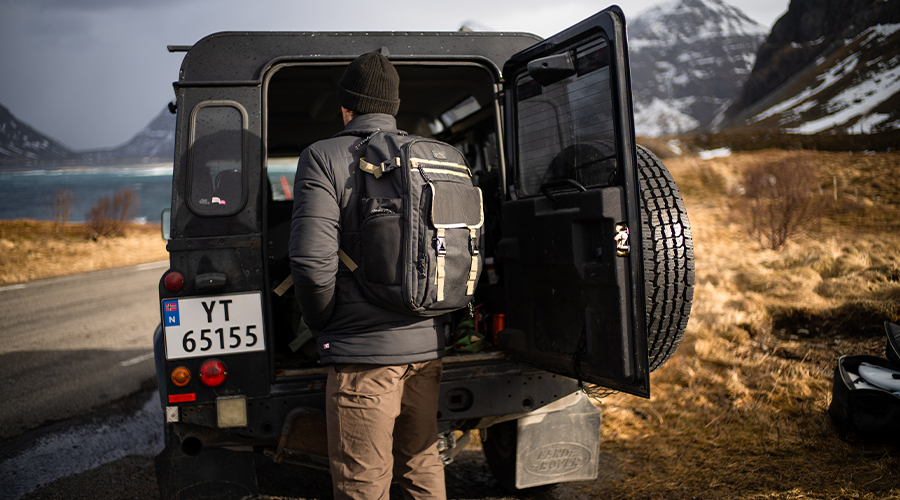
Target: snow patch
[718, 19]
[826, 79]
[855, 100]
[674, 146]
[873, 33]
[795, 113]
[714, 153]
[662, 118]
[885, 30]
[867, 124]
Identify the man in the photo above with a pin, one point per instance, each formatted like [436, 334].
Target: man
[382, 389]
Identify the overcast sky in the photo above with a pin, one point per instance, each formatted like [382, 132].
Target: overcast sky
[91, 73]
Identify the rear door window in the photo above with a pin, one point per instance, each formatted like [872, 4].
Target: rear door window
[217, 173]
[566, 128]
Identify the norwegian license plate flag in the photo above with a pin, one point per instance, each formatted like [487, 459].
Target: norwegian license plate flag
[170, 310]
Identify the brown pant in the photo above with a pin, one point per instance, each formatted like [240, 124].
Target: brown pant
[382, 423]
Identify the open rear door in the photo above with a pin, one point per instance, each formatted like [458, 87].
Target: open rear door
[571, 245]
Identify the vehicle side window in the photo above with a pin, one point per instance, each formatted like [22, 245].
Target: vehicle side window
[217, 158]
[566, 128]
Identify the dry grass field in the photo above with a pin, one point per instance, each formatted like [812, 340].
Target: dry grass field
[31, 249]
[740, 410]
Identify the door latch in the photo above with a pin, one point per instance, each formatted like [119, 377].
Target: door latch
[623, 248]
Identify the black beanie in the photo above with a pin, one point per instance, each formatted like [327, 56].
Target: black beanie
[370, 85]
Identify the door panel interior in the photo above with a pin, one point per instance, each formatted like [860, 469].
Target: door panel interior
[573, 277]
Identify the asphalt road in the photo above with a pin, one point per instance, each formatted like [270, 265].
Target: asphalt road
[71, 344]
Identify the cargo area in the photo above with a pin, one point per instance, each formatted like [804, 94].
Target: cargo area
[453, 103]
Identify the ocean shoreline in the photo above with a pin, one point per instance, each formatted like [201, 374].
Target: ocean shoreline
[83, 167]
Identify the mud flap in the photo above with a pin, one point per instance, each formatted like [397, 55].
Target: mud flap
[546, 446]
[214, 473]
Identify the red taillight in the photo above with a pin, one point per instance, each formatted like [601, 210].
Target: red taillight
[213, 372]
[173, 282]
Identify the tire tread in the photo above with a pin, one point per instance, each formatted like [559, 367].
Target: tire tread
[668, 258]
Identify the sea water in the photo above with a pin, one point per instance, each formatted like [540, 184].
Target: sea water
[27, 192]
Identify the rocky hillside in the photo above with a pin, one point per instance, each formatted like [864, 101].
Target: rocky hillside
[156, 140]
[689, 59]
[828, 66]
[21, 143]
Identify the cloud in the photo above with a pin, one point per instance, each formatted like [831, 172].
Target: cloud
[91, 73]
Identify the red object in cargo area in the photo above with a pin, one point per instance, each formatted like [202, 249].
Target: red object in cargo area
[213, 372]
[499, 325]
[173, 282]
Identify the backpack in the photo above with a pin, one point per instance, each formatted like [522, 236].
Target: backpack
[418, 246]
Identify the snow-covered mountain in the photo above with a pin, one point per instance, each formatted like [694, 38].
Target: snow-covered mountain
[689, 59]
[831, 66]
[156, 140]
[20, 142]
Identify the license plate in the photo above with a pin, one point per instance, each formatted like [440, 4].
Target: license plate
[213, 326]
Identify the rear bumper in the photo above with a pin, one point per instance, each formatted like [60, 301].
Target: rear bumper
[472, 388]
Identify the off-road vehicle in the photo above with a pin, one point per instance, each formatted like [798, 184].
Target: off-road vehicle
[588, 275]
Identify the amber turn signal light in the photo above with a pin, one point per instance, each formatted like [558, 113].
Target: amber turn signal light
[181, 376]
[173, 282]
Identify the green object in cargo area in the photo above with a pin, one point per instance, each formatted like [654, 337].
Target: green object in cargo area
[468, 340]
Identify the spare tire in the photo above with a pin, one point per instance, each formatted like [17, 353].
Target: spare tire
[668, 251]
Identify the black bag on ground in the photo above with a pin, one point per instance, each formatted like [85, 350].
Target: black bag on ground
[892, 349]
[866, 393]
[422, 222]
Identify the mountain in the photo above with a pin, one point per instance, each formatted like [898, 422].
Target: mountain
[828, 66]
[156, 140]
[20, 142]
[689, 59]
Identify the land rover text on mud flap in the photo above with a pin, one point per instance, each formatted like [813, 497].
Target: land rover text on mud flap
[588, 252]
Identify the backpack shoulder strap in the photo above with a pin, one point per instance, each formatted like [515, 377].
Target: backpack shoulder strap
[377, 158]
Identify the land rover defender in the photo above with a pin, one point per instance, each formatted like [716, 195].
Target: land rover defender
[587, 248]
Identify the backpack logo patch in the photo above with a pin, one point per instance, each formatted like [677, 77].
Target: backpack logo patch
[438, 155]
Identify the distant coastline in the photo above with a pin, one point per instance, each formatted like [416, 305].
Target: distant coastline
[75, 164]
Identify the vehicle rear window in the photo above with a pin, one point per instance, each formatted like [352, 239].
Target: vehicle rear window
[566, 129]
[217, 158]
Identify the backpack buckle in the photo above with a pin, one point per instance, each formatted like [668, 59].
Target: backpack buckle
[379, 169]
[440, 244]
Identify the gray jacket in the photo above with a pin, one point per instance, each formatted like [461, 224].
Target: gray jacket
[326, 216]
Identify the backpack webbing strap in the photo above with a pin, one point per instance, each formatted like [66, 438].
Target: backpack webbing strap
[381, 168]
[284, 286]
[473, 271]
[347, 260]
[441, 271]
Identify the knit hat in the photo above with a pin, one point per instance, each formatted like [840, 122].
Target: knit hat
[370, 85]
